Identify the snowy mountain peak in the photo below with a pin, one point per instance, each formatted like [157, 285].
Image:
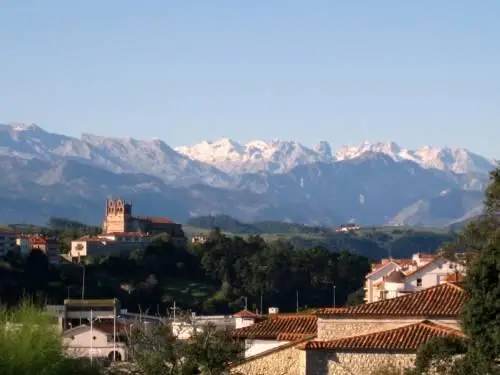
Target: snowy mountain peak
[255, 156]
[280, 156]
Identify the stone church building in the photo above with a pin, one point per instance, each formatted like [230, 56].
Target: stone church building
[119, 219]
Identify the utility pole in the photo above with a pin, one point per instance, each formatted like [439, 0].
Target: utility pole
[68, 287]
[174, 309]
[297, 300]
[83, 288]
[246, 303]
[261, 305]
[334, 290]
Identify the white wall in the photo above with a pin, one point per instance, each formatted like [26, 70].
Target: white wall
[243, 322]
[432, 275]
[255, 347]
[83, 344]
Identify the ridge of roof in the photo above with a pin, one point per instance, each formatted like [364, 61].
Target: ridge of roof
[443, 300]
[407, 338]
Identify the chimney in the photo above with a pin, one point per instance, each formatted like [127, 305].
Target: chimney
[273, 311]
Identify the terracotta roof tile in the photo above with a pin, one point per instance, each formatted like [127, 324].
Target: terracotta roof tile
[444, 300]
[245, 314]
[281, 327]
[408, 337]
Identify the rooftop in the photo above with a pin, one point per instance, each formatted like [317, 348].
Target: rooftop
[444, 300]
[407, 338]
[245, 314]
[91, 302]
[286, 327]
[155, 220]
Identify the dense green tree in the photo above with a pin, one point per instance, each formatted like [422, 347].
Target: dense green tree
[158, 352]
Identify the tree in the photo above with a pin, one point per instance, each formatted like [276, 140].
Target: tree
[480, 316]
[159, 351]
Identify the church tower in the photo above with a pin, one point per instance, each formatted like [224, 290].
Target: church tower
[118, 216]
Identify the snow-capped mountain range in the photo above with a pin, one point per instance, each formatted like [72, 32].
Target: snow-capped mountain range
[374, 183]
[282, 156]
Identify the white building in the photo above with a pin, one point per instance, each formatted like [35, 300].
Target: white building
[108, 243]
[184, 328]
[96, 341]
[395, 277]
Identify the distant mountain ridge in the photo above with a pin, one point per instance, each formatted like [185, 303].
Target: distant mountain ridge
[282, 156]
[47, 174]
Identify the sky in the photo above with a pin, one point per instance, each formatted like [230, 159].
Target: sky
[416, 72]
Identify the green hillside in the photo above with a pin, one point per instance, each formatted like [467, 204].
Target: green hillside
[373, 242]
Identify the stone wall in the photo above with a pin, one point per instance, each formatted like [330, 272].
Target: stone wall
[285, 360]
[334, 328]
[354, 363]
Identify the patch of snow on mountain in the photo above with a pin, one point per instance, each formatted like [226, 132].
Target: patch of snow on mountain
[255, 156]
[455, 160]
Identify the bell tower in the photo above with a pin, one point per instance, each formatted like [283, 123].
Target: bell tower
[118, 215]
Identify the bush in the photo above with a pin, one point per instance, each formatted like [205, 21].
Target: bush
[31, 344]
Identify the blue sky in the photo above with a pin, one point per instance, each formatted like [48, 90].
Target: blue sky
[416, 72]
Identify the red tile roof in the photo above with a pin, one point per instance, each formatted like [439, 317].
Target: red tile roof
[280, 327]
[407, 338]
[444, 300]
[245, 314]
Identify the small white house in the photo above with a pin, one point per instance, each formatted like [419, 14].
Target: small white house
[394, 280]
[96, 342]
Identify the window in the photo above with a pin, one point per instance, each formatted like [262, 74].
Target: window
[93, 338]
[451, 266]
[419, 282]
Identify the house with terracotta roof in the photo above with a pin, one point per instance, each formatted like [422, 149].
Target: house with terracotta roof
[395, 277]
[365, 338]
[262, 334]
[51, 247]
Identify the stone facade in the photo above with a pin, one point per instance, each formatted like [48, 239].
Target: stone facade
[354, 363]
[335, 328]
[285, 360]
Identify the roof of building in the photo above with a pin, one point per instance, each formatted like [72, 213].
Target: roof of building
[91, 302]
[395, 277]
[407, 338]
[286, 327]
[245, 314]
[106, 328]
[444, 300]
[424, 266]
[155, 220]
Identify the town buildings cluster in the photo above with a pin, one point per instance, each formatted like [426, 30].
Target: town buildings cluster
[407, 303]
[387, 329]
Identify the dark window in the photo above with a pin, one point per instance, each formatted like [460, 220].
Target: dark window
[419, 282]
